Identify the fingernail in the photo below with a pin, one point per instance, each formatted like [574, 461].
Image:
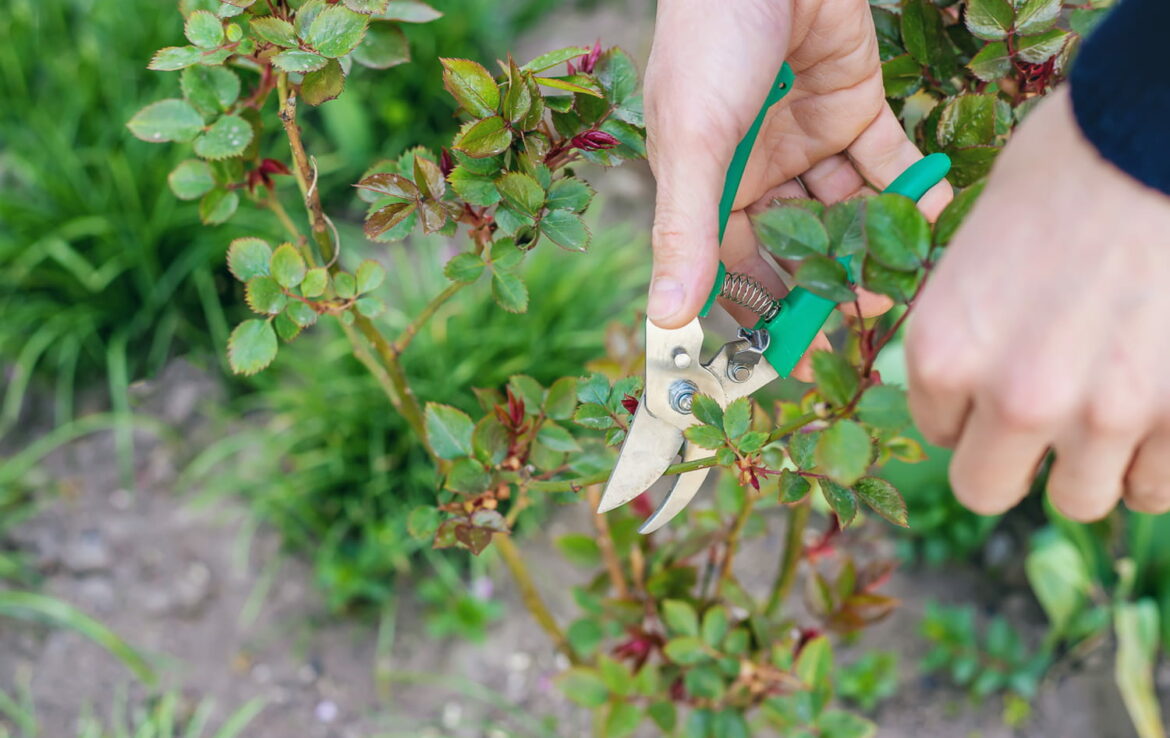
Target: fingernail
[666, 297]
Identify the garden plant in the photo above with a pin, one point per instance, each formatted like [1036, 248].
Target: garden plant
[666, 631]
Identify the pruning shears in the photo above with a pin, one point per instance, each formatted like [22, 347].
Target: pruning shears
[769, 350]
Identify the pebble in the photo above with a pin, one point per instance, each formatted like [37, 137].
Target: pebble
[326, 711]
[452, 714]
[307, 674]
[97, 593]
[193, 590]
[88, 554]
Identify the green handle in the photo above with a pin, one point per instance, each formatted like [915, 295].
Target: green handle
[802, 313]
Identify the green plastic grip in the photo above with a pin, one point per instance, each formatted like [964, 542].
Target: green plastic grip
[802, 313]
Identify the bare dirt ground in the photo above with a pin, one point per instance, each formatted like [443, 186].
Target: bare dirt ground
[188, 585]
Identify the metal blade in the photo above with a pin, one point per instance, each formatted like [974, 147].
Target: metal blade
[685, 488]
[650, 446]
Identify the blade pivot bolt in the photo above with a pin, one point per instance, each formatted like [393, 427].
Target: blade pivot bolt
[682, 359]
[682, 395]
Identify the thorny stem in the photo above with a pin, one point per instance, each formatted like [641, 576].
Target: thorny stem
[733, 543]
[531, 597]
[791, 555]
[402, 398]
[605, 543]
[576, 485]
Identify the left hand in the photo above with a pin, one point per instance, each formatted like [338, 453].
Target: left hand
[1045, 326]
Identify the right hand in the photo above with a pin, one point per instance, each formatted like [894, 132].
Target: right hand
[709, 70]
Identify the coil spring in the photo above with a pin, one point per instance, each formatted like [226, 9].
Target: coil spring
[747, 292]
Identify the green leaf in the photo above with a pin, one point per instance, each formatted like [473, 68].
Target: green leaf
[841, 724]
[971, 163]
[191, 179]
[844, 452]
[791, 232]
[477, 189]
[218, 205]
[1059, 577]
[993, 62]
[793, 487]
[211, 89]
[840, 499]
[884, 406]
[286, 266]
[900, 286]
[594, 416]
[228, 136]
[707, 436]
[299, 61]
[556, 438]
[707, 410]
[699, 725]
[715, 626]
[481, 138]
[553, 58]
[1041, 47]
[737, 417]
[825, 277]
[664, 715]
[814, 665]
[175, 57]
[300, 313]
[429, 178]
[315, 282]
[990, 20]
[836, 378]
[565, 230]
[336, 31]
[518, 100]
[883, 498]
[509, 291]
[247, 258]
[1084, 21]
[686, 650]
[384, 46]
[264, 296]
[389, 217]
[926, 37]
[422, 522]
[731, 723]
[616, 675]
[324, 84]
[967, 120]
[752, 441]
[204, 29]
[371, 307]
[521, 192]
[574, 83]
[561, 400]
[617, 75]
[680, 618]
[569, 193]
[955, 213]
[367, 7]
[897, 234]
[902, 76]
[583, 686]
[579, 549]
[410, 11]
[845, 224]
[166, 120]
[623, 719]
[472, 86]
[369, 276]
[1034, 16]
[448, 431]
[1136, 624]
[464, 268]
[705, 682]
[251, 347]
[274, 31]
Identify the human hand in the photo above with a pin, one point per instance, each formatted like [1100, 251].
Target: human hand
[709, 70]
[1045, 326]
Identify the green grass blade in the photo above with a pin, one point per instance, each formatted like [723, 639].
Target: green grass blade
[36, 607]
[239, 720]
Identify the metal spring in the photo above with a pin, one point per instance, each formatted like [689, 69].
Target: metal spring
[747, 292]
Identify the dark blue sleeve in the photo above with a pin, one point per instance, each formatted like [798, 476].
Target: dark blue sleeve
[1121, 90]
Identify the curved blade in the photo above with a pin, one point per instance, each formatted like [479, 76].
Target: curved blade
[649, 448]
[685, 488]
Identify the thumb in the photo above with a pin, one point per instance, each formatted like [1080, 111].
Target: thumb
[685, 236]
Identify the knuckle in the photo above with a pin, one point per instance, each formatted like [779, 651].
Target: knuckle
[1028, 405]
[1148, 498]
[1104, 417]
